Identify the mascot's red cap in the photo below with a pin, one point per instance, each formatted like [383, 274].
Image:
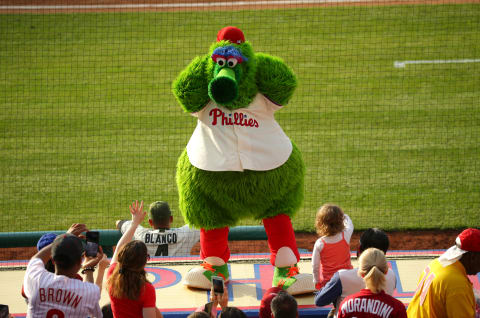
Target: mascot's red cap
[232, 34]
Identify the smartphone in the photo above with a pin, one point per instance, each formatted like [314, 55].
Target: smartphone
[4, 313]
[218, 285]
[93, 237]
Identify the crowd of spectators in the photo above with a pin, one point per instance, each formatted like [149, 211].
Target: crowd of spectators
[53, 287]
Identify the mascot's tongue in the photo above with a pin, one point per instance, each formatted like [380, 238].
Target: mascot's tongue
[223, 88]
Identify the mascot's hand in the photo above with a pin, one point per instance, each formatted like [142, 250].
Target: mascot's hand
[191, 86]
[274, 78]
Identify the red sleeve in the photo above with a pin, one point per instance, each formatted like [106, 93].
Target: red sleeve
[110, 269]
[149, 297]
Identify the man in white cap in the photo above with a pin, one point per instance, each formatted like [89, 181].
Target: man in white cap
[444, 289]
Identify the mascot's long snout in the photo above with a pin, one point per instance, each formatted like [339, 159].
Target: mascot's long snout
[223, 88]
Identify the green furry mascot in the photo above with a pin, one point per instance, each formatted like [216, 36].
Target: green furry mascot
[239, 163]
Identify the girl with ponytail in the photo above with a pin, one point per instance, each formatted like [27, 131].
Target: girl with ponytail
[372, 301]
[131, 294]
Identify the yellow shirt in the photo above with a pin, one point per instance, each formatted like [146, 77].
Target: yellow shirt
[443, 292]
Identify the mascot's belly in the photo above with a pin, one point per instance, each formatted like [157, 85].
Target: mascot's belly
[214, 199]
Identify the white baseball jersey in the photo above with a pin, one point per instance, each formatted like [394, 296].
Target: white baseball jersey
[57, 296]
[171, 242]
[234, 140]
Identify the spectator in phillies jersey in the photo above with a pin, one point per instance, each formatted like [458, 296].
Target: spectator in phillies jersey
[161, 239]
[47, 239]
[347, 282]
[131, 294]
[444, 290]
[61, 294]
[372, 302]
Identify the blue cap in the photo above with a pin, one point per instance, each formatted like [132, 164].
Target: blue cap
[45, 240]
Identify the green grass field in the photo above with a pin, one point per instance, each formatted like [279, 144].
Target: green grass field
[88, 122]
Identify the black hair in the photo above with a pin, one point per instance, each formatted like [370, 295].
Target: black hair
[199, 314]
[49, 266]
[107, 311]
[373, 237]
[232, 312]
[65, 262]
[284, 305]
[160, 212]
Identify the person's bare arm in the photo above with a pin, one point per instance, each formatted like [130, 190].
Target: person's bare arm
[217, 300]
[151, 312]
[158, 313]
[223, 299]
[77, 229]
[138, 215]
[90, 263]
[102, 266]
[46, 253]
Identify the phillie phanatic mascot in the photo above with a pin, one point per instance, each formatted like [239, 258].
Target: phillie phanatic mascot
[239, 163]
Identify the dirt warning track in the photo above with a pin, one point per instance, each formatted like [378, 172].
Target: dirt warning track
[75, 6]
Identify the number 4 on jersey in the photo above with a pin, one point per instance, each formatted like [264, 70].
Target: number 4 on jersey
[162, 250]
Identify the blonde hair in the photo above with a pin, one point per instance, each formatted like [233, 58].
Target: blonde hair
[373, 267]
[329, 220]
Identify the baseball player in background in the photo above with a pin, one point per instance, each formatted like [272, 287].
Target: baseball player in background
[161, 240]
[60, 294]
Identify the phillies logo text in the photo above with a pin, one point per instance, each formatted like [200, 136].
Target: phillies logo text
[239, 119]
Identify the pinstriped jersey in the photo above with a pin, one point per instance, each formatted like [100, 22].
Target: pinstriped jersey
[58, 296]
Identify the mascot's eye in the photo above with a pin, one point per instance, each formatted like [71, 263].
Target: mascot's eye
[232, 62]
[220, 61]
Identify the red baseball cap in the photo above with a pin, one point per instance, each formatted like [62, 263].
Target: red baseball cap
[231, 34]
[469, 240]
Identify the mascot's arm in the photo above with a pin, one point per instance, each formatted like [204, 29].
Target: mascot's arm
[274, 78]
[191, 86]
